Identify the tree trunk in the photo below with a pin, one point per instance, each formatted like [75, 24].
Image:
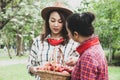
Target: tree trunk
[110, 56]
[8, 49]
[9, 53]
[110, 51]
[19, 45]
[113, 53]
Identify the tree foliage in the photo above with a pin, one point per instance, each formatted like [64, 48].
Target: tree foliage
[20, 21]
[107, 24]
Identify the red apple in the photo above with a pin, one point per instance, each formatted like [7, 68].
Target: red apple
[47, 64]
[50, 68]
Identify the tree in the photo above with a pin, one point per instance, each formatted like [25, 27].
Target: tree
[4, 6]
[108, 24]
[23, 19]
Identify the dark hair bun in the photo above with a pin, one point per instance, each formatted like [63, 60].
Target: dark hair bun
[87, 17]
[81, 23]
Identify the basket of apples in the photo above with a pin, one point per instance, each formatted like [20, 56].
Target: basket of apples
[54, 71]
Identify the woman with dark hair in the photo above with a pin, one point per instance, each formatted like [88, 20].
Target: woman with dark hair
[92, 64]
[54, 41]
[48, 31]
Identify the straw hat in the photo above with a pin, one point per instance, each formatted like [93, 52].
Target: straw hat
[56, 6]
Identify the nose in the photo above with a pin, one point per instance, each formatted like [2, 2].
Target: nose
[56, 24]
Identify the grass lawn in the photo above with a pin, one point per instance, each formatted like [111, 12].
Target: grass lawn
[13, 57]
[14, 72]
[114, 73]
[19, 72]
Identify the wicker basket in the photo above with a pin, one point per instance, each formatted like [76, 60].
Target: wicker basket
[51, 75]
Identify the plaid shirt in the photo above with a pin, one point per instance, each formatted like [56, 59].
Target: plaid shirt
[43, 52]
[92, 65]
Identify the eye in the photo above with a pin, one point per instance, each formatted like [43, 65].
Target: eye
[60, 21]
[52, 20]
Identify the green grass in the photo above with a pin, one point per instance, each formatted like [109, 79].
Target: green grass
[19, 72]
[114, 73]
[6, 57]
[15, 72]
[14, 57]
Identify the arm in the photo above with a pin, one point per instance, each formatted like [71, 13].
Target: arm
[32, 59]
[73, 55]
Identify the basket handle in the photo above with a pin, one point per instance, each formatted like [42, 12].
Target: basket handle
[52, 56]
[62, 56]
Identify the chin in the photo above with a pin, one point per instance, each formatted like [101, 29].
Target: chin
[56, 33]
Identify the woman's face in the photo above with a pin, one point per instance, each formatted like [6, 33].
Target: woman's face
[55, 23]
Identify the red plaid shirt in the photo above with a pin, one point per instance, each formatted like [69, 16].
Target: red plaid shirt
[92, 64]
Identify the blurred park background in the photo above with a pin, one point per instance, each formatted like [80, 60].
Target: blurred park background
[21, 22]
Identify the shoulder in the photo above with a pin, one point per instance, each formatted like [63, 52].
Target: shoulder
[71, 41]
[38, 38]
[38, 41]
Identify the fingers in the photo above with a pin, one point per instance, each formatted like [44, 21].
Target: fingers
[71, 61]
[33, 69]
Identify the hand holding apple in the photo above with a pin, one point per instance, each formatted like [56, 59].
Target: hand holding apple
[71, 61]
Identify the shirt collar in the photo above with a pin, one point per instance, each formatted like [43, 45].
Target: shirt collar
[88, 43]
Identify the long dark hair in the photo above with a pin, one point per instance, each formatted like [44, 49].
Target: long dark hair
[47, 30]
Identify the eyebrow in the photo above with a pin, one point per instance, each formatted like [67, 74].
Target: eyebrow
[55, 18]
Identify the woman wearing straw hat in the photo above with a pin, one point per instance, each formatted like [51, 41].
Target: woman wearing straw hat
[54, 40]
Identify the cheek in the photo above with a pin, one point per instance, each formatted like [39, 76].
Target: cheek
[50, 24]
[76, 38]
[70, 35]
[60, 26]
[73, 37]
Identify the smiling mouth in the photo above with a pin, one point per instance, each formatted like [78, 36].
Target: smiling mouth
[55, 29]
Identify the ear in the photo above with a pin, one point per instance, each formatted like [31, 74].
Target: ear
[76, 35]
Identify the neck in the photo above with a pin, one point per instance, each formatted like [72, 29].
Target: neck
[56, 36]
[82, 39]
